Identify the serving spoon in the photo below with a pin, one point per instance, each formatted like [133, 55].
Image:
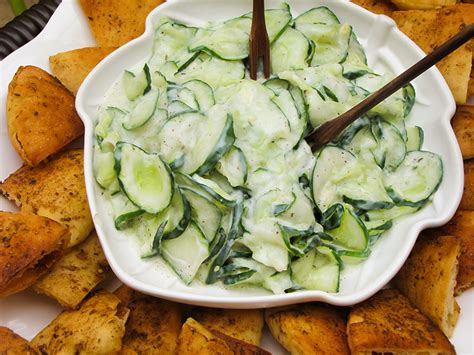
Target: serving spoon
[259, 44]
[331, 129]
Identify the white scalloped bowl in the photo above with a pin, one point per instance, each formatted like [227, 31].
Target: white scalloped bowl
[387, 49]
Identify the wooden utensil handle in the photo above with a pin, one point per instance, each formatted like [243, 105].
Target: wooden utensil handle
[329, 130]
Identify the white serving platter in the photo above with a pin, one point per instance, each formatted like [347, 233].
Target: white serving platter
[27, 313]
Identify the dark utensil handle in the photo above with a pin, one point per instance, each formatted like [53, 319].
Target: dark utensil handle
[25, 27]
[329, 130]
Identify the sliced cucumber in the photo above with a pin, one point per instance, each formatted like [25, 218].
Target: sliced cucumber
[391, 148]
[339, 176]
[228, 41]
[214, 190]
[276, 21]
[124, 210]
[177, 216]
[351, 233]
[290, 51]
[214, 71]
[184, 95]
[203, 93]
[204, 213]
[143, 110]
[136, 84]
[104, 171]
[416, 179]
[277, 85]
[409, 96]
[177, 108]
[317, 270]
[415, 137]
[233, 166]
[186, 253]
[144, 178]
[171, 40]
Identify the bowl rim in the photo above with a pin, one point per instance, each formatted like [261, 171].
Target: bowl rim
[259, 301]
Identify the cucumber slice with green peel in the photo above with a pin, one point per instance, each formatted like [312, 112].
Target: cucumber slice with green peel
[143, 111]
[158, 80]
[373, 219]
[339, 176]
[233, 166]
[277, 85]
[290, 51]
[351, 233]
[177, 108]
[391, 149]
[186, 253]
[136, 85]
[104, 171]
[228, 41]
[356, 55]
[171, 40]
[214, 190]
[317, 16]
[224, 142]
[276, 21]
[416, 179]
[214, 71]
[203, 93]
[144, 178]
[300, 103]
[178, 216]
[409, 96]
[168, 70]
[299, 242]
[204, 213]
[317, 270]
[184, 95]
[124, 210]
[415, 138]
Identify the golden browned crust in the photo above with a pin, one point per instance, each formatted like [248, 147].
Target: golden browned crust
[245, 325]
[76, 273]
[72, 67]
[428, 278]
[462, 226]
[463, 125]
[29, 246]
[380, 7]
[97, 327]
[116, 22]
[309, 329]
[429, 29]
[388, 323]
[13, 344]
[195, 339]
[153, 324]
[467, 201]
[54, 189]
[41, 115]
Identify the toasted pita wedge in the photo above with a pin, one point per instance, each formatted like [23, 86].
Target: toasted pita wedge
[196, 339]
[463, 125]
[72, 67]
[422, 4]
[428, 278]
[76, 274]
[41, 115]
[470, 89]
[431, 28]
[97, 327]
[245, 325]
[116, 22]
[388, 323]
[153, 325]
[462, 226]
[380, 7]
[467, 201]
[309, 329]
[54, 189]
[13, 344]
[29, 246]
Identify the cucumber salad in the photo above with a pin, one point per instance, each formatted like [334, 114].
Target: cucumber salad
[211, 172]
